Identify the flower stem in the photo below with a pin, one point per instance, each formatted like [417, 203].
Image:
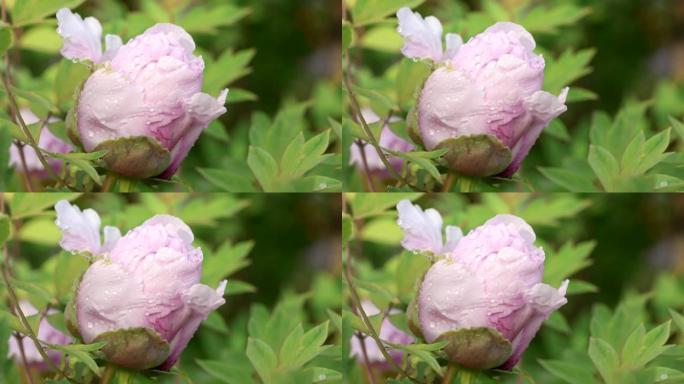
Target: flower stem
[108, 374]
[109, 181]
[356, 108]
[356, 300]
[20, 120]
[450, 374]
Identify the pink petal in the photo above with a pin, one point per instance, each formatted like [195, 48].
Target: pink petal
[199, 300]
[201, 109]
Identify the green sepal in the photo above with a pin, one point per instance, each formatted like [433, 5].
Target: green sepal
[134, 348]
[476, 348]
[137, 157]
[476, 155]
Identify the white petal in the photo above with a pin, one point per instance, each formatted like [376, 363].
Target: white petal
[111, 236]
[82, 38]
[422, 230]
[422, 38]
[80, 230]
[453, 43]
[112, 43]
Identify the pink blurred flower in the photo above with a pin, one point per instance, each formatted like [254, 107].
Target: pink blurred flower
[46, 333]
[387, 140]
[388, 332]
[149, 87]
[490, 85]
[47, 141]
[149, 278]
[491, 278]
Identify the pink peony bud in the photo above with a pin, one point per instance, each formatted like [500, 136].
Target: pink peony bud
[46, 333]
[486, 102]
[491, 280]
[46, 141]
[144, 104]
[142, 294]
[388, 332]
[387, 140]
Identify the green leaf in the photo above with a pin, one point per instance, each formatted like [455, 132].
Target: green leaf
[569, 372]
[549, 19]
[229, 67]
[41, 39]
[230, 180]
[30, 204]
[347, 228]
[262, 358]
[204, 19]
[678, 320]
[371, 11]
[569, 259]
[654, 150]
[33, 11]
[300, 157]
[604, 357]
[568, 179]
[5, 226]
[237, 287]
[604, 165]
[6, 38]
[234, 370]
[264, 167]
[70, 77]
[371, 204]
[567, 68]
[81, 353]
[633, 346]
[654, 344]
[226, 260]
[347, 35]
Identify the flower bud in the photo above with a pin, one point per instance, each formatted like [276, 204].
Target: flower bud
[485, 296]
[388, 139]
[47, 141]
[388, 332]
[484, 101]
[46, 333]
[142, 294]
[143, 104]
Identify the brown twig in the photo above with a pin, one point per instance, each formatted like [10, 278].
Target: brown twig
[356, 301]
[356, 109]
[22, 353]
[366, 361]
[364, 160]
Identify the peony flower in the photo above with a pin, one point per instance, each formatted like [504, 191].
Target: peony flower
[46, 333]
[486, 289]
[388, 332]
[142, 293]
[143, 103]
[387, 140]
[484, 101]
[47, 141]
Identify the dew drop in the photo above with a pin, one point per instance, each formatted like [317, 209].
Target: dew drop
[90, 324]
[432, 324]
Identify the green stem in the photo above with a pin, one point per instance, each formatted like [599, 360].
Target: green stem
[450, 374]
[356, 300]
[108, 374]
[356, 108]
[467, 376]
[109, 181]
[32, 142]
